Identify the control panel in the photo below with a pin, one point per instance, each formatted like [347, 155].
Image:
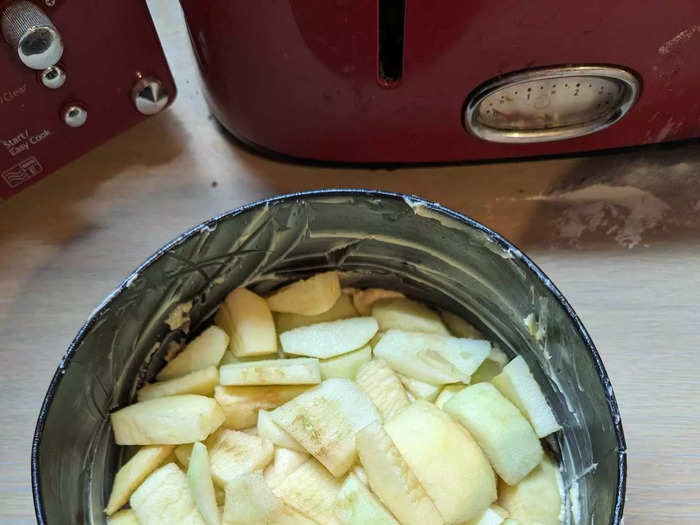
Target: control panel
[72, 75]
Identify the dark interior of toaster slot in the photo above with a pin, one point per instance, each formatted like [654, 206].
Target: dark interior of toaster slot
[392, 14]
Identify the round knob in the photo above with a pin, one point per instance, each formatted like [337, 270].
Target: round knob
[149, 95]
[28, 29]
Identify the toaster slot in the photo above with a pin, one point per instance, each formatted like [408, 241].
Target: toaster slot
[392, 15]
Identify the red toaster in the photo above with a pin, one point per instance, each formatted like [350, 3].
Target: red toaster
[361, 81]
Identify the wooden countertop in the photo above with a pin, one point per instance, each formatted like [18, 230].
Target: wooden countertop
[618, 233]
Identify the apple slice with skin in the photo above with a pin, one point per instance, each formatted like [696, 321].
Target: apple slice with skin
[446, 460]
[500, 429]
[311, 490]
[241, 403]
[252, 328]
[203, 351]
[404, 314]
[167, 421]
[202, 486]
[133, 472]
[345, 365]
[268, 429]
[311, 296]
[342, 309]
[198, 382]
[390, 478]
[286, 461]
[383, 388]
[420, 389]
[364, 299]
[165, 497]
[299, 371]
[432, 358]
[123, 517]
[325, 419]
[233, 453]
[325, 340]
[356, 505]
[250, 501]
[537, 498]
[520, 387]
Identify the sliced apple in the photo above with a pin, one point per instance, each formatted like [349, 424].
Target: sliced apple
[198, 382]
[404, 314]
[383, 388]
[311, 490]
[500, 429]
[311, 296]
[165, 497]
[123, 517]
[268, 429]
[233, 453]
[486, 372]
[536, 499]
[511, 521]
[446, 460]
[252, 328]
[420, 389]
[432, 358]
[325, 340]
[203, 351]
[325, 419]
[201, 485]
[391, 479]
[345, 365]
[286, 461]
[520, 387]
[250, 501]
[364, 299]
[446, 394]
[182, 454]
[167, 421]
[241, 403]
[459, 327]
[494, 515]
[356, 505]
[342, 309]
[299, 371]
[133, 472]
[360, 472]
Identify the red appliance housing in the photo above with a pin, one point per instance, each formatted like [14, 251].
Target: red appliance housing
[301, 78]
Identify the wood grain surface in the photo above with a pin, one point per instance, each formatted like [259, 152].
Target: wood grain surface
[618, 233]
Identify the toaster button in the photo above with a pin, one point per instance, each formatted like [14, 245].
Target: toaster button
[32, 34]
[74, 116]
[149, 95]
[53, 77]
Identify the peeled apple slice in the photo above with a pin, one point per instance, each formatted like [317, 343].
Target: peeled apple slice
[201, 485]
[241, 403]
[233, 453]
[446, 394]
[299, 371]
[252, 329]
[133, 472]
[165, 497]
[356, 505]
[198, 382]
[432, 358]
[342, 309]
[311, 296]
[167, 421]
[494, 515]
[203, 351]
[345, 365]
[536, 499]
[520, 387]
[364, 299]
[446, 460]
[123, 517]
[404, 314]
[325, 340]
[286, 461]
[486, 372]
[383, 388]
[500, 429]
[420, 389]
[311, 490]
[268, 429]
[391, 479]
[325, 419]
[250, 501]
